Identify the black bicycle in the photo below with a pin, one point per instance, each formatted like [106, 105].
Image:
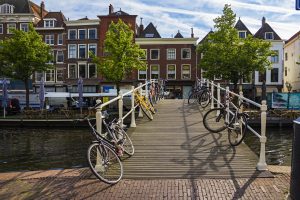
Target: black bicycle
[200, 95]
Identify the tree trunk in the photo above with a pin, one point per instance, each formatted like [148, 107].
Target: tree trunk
[27, 92]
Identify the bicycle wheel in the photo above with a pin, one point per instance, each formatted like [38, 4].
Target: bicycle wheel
[193, 98]
[237, 130]
[126, 143]
[104, 163]
[146, 112]
[214, 120]
[205, 99]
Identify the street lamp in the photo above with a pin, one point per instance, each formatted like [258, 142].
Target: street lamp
[289, 88]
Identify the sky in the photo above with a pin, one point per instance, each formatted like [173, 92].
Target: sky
[169, 16]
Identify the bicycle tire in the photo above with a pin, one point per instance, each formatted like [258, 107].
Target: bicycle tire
[126, 142]
[205, 99]
[110, 168]
[193, 98]
[146, 112]
[213, 121]
[237, 134]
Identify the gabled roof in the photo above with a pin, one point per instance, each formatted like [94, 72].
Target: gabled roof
[21, 6]
[59, 16]
[210, 32]
[240, 26]
[118, 13]
[178, 35]
[150, 32]
[266, 28]
[293, 37]
[36, 9]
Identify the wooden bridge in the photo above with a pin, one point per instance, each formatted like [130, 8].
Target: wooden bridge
[176, 145]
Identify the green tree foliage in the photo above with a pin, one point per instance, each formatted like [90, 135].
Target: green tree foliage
[122, 55]
[227, 55]
[23, 54]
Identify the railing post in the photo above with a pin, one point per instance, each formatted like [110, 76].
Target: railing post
[219, 98]
[227, 101]
[140, 110]
[99, 165]
[120, 107]
[262, 165]
[212, 106]
[240, 106]
[146, 88]
[133, 124]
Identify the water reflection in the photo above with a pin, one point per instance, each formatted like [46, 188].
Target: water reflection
[278, 146]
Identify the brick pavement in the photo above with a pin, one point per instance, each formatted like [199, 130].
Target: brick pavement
[79, 184]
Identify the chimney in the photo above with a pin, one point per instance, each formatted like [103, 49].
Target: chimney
[192, 32]
[42, 9]
[110, 9]
[263, 21]
[141, 27]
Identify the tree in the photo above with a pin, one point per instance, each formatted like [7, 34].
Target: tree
[23, 54]
[227, 55]
[122, 55]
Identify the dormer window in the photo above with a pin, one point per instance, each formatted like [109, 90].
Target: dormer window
[149, 35]
[6, 9]
[49, 23]
[242, 34]
[269, 36]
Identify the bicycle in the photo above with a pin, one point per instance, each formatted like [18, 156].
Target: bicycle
[201, 95]
[217, 120]
[144, 104]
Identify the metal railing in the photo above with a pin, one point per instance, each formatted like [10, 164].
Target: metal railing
[261, 165]
[119, 98]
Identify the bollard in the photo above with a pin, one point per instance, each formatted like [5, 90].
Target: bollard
[133, 124]
[120, 107]
[219, 98]
[295, 163]
[212, 106]
[262, 165]
[140, 110]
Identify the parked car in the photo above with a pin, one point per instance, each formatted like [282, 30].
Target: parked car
[13, 106]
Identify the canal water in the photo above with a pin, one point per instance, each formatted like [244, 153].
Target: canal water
[38, 149]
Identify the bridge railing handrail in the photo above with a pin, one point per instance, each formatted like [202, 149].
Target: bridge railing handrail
[263, 107]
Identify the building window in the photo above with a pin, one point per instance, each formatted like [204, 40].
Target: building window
[60, 39]
[81, 51]
[92, 49]
[49, 39]
[154, 54]
[10, 27]
[50, 75]
[247, 79]
[72, 71]
[269, 35]
[142, 74]
[60, 57]
[72, 34]
[171, 72]
[92, 71]
[149, 35]
[186, 72]
[92, 33]
[171, 54]
[145, 55]
[59, 75]
[82, 34]
[242, 34]
[261, 76]
[154, 71]
[24, 27]
[275, 57]
[72, 51]
[1, 28]
[286, 56]
[274, 75]
[49, 23]
[186, 53]
[82, 70]
[285, 71]
[7, 9]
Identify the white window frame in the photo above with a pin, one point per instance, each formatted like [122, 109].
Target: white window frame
[182, 54]
[141, 79]
[89, 70]
[7, 27]
[56, 75]
[7, 9]
[24, 24]
[182, 72]
[277, 55]
[57, 56]
[1, 25]
[49, 23]
[49, 39]
[266, 35]
[88, 36]
[58, 38]
[157, 70]
[168, 71]
[278, 74]
[69, 34]
[86, 69]
[78, 35]
[52, 73]
[151, 54]
[78, 56]
[242, 32]
[95, 44]
[168, 54]
[76, 68]
[75, 50]
[146, 52]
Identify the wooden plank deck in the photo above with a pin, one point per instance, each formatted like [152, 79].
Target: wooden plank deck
[176, 145]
